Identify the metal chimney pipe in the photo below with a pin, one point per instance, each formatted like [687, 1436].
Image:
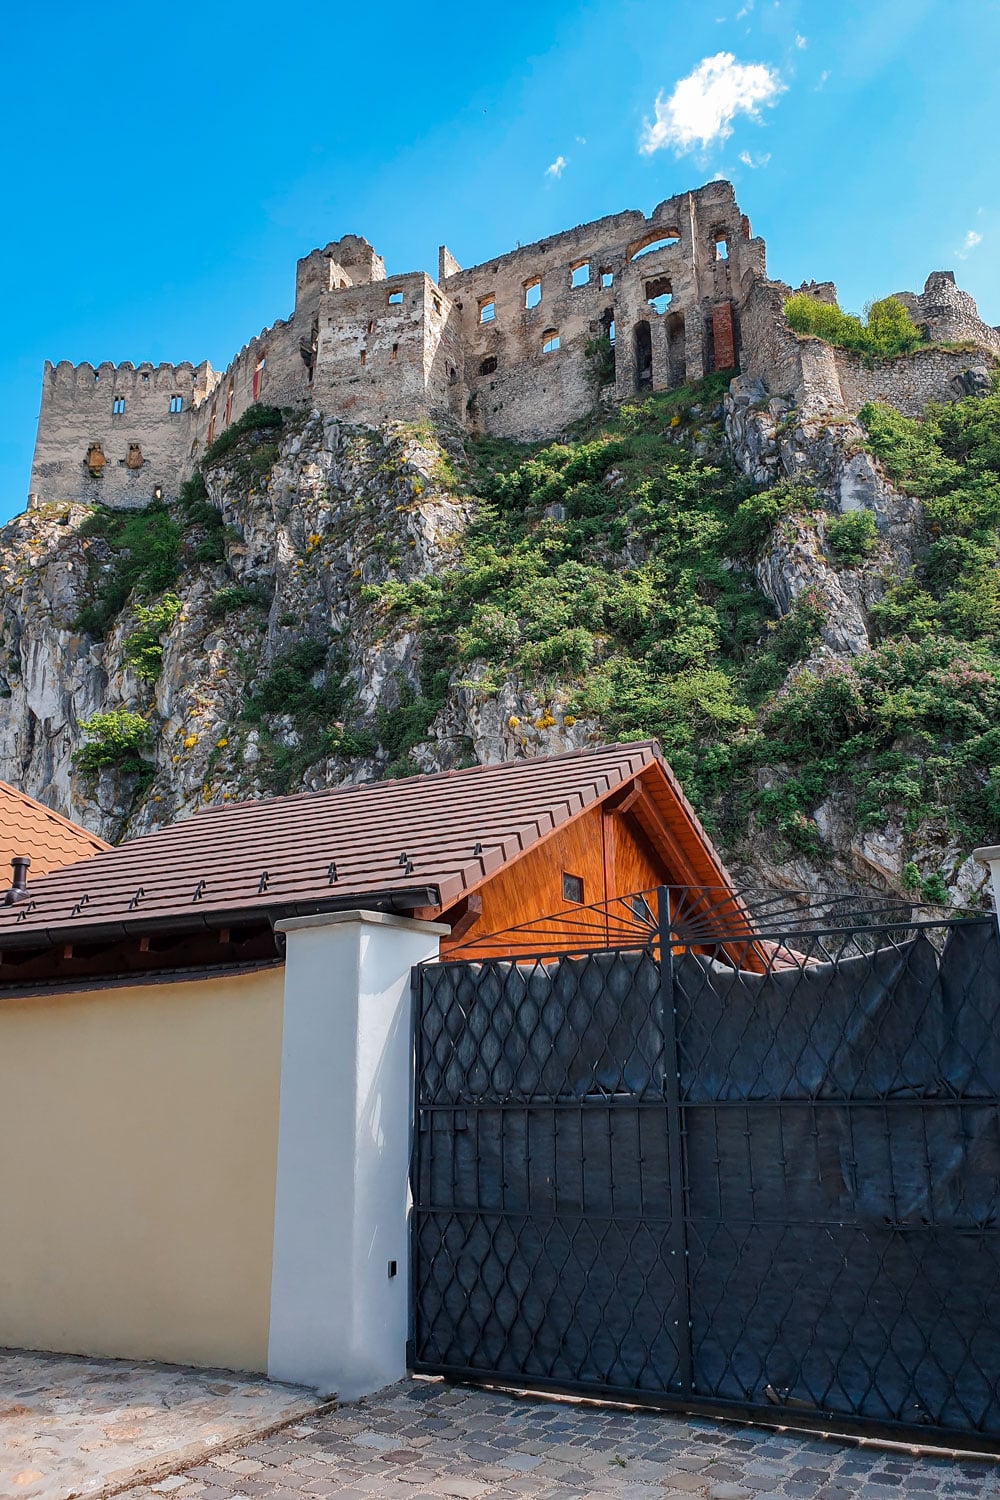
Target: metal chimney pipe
[19, 887]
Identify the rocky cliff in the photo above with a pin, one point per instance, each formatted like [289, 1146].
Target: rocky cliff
[325, 604]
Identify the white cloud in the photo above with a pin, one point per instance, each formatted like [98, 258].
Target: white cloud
[749, 161]
[972, 239]
[745, 11]
[581, 140]
[556, 168]
[703, 105]
[822, 79]
[800, 41]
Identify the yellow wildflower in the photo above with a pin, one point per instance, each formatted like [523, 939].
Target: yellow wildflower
[190, 742]
[513, 721]
[221, 744]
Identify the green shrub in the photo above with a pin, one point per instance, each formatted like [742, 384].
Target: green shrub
[114, 739]
[852, 537]
[888, 331]
[757, 515]
[240, 596]
[143, 649]
[145, 555]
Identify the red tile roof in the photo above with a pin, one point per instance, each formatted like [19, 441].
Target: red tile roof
[421, 841]
[50, 841]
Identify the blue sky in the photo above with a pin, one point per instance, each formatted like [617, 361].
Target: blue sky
[165, 166]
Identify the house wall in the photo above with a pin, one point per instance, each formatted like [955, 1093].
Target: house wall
[138, 1149]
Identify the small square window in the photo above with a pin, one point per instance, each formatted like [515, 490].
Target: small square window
[580, 275]
[572, 887]
[118, 406]
[532, 293]
[395, 299]
[176, 404]
[487, 311]
[145, 380]
[364, 357]
[395, 352]
[607, 278]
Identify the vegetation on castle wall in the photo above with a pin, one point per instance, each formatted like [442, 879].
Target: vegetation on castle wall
[888, 329]
[256, 420]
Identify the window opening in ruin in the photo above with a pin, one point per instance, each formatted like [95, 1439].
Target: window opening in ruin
[487, 310]
[676, 356]
[145, 380]
[572, 887]
[229, 406]
[607, 278]
[395, 352]
[176, 404]
[134, 458]
[721, 248]
[452, 375]
[611, 331]
[658, 240]
[488, 365]
[258, 376]
[364, 357]
[97, 376]
[550, 341]
[437, 304]
[211, 429]
[660, 293]
[533, 292]
[371, 325]
[395, 299]
[95, 459]
[643, 357]
[580, 275]
[118, 406]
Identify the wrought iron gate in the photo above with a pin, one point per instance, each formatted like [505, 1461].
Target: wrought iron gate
[735, 1179]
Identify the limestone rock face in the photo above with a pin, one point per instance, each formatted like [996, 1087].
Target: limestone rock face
[342, 516]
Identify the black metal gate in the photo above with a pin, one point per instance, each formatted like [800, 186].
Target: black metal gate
[754, 1179]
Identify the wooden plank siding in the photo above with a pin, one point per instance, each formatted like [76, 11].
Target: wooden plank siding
[603, 848]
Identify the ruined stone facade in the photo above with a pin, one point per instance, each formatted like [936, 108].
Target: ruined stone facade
[518, 347]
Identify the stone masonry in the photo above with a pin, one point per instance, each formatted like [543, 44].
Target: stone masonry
[517, 347]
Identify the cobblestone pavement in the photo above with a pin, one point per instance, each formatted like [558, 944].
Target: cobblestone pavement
[86, 1426]
[429, 1441]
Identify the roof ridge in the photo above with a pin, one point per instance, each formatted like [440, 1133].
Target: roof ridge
[522, 761]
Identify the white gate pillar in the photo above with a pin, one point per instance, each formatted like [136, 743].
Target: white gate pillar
[339, 1275]
[990, 855]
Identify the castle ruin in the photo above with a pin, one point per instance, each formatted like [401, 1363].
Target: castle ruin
[517, 347]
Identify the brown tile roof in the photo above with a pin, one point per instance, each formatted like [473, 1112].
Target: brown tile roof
[50, 841]
[421, 841]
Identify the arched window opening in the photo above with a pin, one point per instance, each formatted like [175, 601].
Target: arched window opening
[533, 292]
[643, 357]
[550, 341]
[658, 239]
[676, 356]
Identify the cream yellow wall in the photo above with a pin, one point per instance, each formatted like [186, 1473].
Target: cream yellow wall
[138, 1147]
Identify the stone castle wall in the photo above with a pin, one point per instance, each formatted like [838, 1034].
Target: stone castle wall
[116, 434]
[499, 348]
